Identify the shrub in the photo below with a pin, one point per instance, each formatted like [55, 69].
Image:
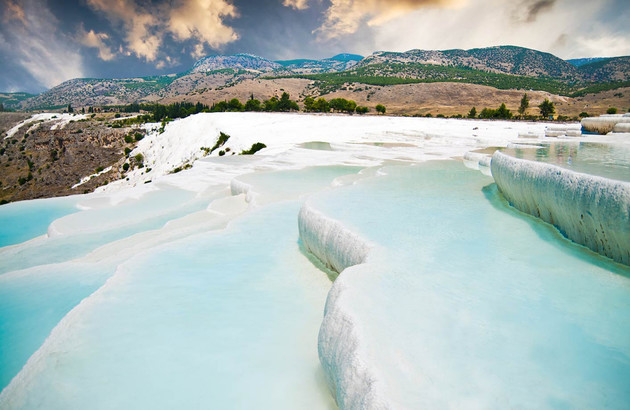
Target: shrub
[584, 114]
[223, 137]
[611, 110]
[472, 113]
[127, 151]
[99, 169]
[254, 149]
[128, 139]
[380, 108]
[137, 136]
[362, 110]
[126, 166]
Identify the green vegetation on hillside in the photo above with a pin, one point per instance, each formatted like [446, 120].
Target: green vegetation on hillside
[411, 73]
[394, 74]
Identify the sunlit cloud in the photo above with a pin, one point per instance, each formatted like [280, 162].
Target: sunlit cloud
[13, 11]
[137, 23]
[203, 20]
[345, 17]
[296, 4]
[566, 28]
[145, 25]
[96, 40]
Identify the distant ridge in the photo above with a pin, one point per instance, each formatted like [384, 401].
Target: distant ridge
[578, 62]
[501, 67]
[238, 61]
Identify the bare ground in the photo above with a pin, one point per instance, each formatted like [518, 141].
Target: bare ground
[418, 99]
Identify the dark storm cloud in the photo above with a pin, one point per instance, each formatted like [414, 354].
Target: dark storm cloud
[529, 10]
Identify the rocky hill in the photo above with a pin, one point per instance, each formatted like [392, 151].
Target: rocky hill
[340, 62]
[238, 61]
[607, 70]
[503, 59]
[52, 157]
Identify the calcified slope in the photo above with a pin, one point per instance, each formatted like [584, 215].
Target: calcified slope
[449, 310]
[605, 123]
[590, 210]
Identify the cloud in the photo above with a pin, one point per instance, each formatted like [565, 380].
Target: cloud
[34, 46]
[570, 29]
[137, 23]
[528, 10]
[344, 17]
[203, 20]
[296, 4]
[14, 11]
[96, 40]
[146, 24]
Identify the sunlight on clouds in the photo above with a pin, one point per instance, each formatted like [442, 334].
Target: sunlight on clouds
[137, 23]
[14, 11]
[567, 30]
[203, 20]
[96, 40]
[200, 20]
[296, 4]
[345, 17]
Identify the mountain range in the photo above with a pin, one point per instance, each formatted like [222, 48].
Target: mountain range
[501, 67]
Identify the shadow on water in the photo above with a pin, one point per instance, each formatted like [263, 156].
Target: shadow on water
[551, 234]
[332, 275]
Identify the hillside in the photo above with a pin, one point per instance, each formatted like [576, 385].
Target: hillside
[340, 62]
[12, 100]
[502, 60]
[607, 70]
[238, 61]
[503, 67]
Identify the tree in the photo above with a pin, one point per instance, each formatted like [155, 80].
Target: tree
[472, 113]
[252, 105]
[235, 105]
[271, 104]
[611, 110]
[286, 104]
[380, 108]
[524, 104]
[1, 107]
[546, 108]
[362, 110]
[221, 106]
[70, 109]
[487, 113]
[309, 102]
[503, 112]
[321, 105]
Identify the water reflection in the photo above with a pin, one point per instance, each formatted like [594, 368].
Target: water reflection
[606, 160]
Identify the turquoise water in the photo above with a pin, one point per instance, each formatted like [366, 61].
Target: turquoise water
[265, 295]
[606, 160]
[465, 302]
[478, 305]
[21, 221]
[226, 320]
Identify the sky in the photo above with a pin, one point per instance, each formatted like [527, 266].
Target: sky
[46, 42]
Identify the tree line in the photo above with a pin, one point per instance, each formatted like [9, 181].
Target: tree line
[160, 112]
[546, 109]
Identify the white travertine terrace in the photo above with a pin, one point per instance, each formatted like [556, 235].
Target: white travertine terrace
[590, 210]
